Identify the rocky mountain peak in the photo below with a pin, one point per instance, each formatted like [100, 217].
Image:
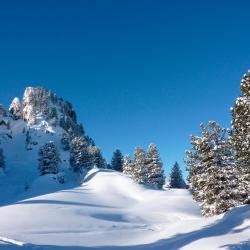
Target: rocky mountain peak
[40, 105]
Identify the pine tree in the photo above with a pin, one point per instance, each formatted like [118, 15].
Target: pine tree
[117, 161]
[127, 166]
[28, 140]
[214, 179]
[48, 157]
[108, 166]
[154, 167]
[89, 140]
[79, 155]
[65, 142]
[2, 160]
[240, 135]
[52, 116]
[139, 170]
[176, 179]
[96, 157]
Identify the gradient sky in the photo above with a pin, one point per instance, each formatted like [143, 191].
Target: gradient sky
[136, 71]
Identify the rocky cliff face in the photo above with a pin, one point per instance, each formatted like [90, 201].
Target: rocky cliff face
[41, 106]
[30, 122]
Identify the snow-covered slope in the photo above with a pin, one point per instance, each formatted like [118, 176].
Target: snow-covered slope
[110, 211]
[40, 117]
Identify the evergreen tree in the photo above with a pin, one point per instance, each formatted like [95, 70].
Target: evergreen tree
[176, 179]
[89, 140]
[49, 159]
[2, 160]
[96, 157]
[28, 140]
[117, 161]
[214, 179]
[79, 155]
[52, 116]
[154, 168]
[65, 142]
[108, 166]
[127, 166]
[240, 135]
[139, 170]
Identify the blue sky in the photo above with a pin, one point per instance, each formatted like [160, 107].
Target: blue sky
[136, 71]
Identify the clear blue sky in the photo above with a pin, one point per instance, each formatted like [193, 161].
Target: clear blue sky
[136, 71]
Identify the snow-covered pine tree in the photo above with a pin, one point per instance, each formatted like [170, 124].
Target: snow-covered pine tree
[214, 179]
[117, 161]
[49, 159]
[2, 160]
[52, 116]
[96, 156]
[16, 108]
[127, 167]
[154, 167]
[240, 135]
[89, 140]
[65, 142]
[176, 178]
[139, 163]
[80, 158]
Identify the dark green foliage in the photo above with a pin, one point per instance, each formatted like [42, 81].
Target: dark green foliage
[117, 161]
[49, 159]
[214, 178]
[240, 134]
[154, 167]
[79, 155]
[176, 179]
[96, 157]
[2, 159]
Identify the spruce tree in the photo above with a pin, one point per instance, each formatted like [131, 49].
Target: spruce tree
[79, 155]
[108, 166]
[127, 167]
[48, 157]
[214, 179]
[176, 179]
[240, 135]
[65, 142]
[154, 167]
[2, 160]
[117, 161]
[96, 157]
[139, 170]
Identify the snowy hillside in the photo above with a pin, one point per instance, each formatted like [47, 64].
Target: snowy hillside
[110, 211]
[105, 209]
[25, 127]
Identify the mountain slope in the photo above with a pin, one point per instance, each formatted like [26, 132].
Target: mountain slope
[110, 211]
[40, 117]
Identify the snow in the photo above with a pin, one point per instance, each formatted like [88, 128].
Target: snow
[107, 211]
[110, 211]
[22, 164]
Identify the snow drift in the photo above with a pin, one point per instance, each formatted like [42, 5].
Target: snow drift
[110, 211]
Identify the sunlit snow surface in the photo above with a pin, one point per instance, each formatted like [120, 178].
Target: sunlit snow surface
[110, 211]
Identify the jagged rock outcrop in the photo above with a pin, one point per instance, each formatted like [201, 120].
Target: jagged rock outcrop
[40, 106]
[16, 108]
